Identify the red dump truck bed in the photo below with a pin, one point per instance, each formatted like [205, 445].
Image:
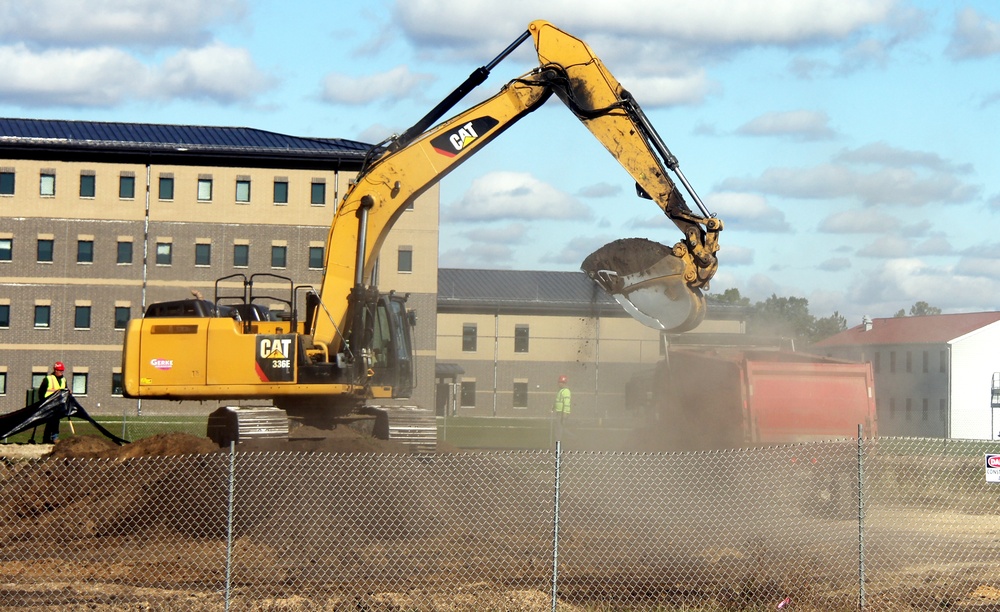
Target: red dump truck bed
[711, 399]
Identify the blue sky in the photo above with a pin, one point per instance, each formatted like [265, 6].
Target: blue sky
[849, 146]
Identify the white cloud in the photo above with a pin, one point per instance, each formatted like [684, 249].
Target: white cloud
[887, 247]
[884, 186]
[882, 154]
[899, 283]
[668, 90]
[731, 255]
[99, 23]
[106, 77]
[858, 221]
[479, 255]
[79, 77]
[799, 125]
[835, 264]
[216, 72]
[575, 250]
[747, 211]
[600, 190]
[392, 85]
[751, 22]
[974, 36]
[513, 196]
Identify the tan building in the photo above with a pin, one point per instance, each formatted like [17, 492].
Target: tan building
[102, 219]
[504, 337]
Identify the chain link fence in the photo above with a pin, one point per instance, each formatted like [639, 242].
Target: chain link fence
[888, 524]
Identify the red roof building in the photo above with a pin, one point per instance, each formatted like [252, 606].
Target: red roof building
[934, 375]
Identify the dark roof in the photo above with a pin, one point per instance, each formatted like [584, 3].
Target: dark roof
[176, 144]
[533, 291]
[931, 329]
[520, 290]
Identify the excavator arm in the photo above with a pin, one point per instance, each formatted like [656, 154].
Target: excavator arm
[354, 343]
[423, 155]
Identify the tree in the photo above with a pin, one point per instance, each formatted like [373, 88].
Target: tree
[781, 316]
[921, 309]
[730, 296]
[829, 326]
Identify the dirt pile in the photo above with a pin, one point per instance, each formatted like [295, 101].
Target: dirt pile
[300, 440]
[625, 256]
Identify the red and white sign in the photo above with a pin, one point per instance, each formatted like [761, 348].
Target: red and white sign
[992, 467]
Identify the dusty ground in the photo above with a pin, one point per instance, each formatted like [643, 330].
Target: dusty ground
[148, 534]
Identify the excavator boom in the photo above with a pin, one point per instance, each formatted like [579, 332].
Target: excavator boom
[354, 342]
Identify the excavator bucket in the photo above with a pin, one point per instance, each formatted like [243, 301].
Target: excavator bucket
[647, 279]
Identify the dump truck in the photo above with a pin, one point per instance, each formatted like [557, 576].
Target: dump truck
[717, 399]
[700, 399]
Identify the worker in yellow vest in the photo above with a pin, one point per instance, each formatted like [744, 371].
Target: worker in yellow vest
[562, 405]
[56, 381]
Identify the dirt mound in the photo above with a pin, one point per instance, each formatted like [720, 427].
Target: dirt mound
[160, 445]
[301, 439]
[625, 256]
[342, 439]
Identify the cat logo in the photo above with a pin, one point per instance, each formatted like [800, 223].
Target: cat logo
[453, 142]
[274, 361]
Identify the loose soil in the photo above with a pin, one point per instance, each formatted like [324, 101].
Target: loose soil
[625, 256]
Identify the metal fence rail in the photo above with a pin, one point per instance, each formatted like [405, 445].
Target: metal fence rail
[727, 530]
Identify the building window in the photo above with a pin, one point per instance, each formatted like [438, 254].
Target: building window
[117, 384]
[909, 410]
[944, 361]
[909, 361]
[469, 337]
[124, 252]
[79, 383]
[926, 411]
[942, 410]
[3, 383]
[279, 256]
[317, 195]
[43, 315]
[520, 338]
[404, 260]
[892, 408]
[892, 362]
[36, 379]
[47, 185]
[204, 189]
[243, 190]
[122, 315]
[126, 187]
[6, 249]
[876, 362]
[468, 399]
[203, 254]
[927, 361]
[45, 248]
[81, 318]
[316, 258]
[4, 315]
[166, 188]
[521, 394]
[241, 255]
[280, 192]
[6, 183]
[164, 253]
[88, 185]
[84, 251]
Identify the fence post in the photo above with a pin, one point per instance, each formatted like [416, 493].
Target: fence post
[229, 521]
[555, 529]
[861, 520]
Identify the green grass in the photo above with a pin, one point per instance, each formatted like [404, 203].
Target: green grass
[135, 427]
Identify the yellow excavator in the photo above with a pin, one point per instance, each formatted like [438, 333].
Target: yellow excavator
[353, 343]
